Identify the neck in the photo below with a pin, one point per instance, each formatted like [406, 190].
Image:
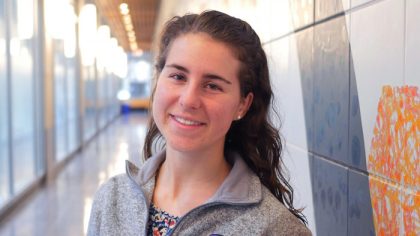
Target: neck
[198, 167]
[187, 180]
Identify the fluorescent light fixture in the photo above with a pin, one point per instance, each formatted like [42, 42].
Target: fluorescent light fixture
[69, 29]
[102, 47]
[113, 42]
[15, 46]
[120, 67]
[104, 33]
[25, 19]
[59, 9]
[88, 25]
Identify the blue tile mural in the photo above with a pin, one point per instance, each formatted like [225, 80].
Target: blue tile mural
[331, 89]
[330, 188]
[360, 216]
[356, 139]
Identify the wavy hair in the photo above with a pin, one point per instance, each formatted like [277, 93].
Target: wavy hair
[254, 137]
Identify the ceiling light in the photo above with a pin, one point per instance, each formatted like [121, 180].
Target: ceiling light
[133, 46]
[113, 42]
[123, 7]
[138, 52]
[131, 37]
[125, 12]
[129, 27]
[131, 33]
[87, 33]
[127, 19]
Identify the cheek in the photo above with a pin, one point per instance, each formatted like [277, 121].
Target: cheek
[155, 111]
[165, 97]
[224, 115]
[159, 102]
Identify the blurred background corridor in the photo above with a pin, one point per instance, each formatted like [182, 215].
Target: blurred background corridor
[76, 76]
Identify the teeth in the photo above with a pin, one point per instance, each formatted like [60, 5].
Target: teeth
[186, 122]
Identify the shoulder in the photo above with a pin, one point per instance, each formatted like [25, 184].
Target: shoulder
[116, 203]
[109, 192]
[113, 185]
[282, 220]
[116, 188]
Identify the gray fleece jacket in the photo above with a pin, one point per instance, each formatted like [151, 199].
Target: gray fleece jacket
[241, 206]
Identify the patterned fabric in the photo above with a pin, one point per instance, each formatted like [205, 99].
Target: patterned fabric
[160, 222]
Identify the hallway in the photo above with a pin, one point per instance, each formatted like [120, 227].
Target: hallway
[63, 206]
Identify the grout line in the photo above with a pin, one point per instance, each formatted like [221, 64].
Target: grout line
[363, 5]
[297, 147]
[366, 173]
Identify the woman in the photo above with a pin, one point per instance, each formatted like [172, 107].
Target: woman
[217, 168]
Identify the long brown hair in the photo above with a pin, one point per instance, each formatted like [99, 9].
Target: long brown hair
[253, 137]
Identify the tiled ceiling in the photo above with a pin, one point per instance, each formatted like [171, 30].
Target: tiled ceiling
[143, 16]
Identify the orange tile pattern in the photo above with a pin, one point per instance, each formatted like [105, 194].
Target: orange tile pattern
[396, 144]
[394, 157]
[386, 207]
[411, 213]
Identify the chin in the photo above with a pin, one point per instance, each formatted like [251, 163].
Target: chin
[184, 146]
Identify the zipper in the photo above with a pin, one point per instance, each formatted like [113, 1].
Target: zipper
[190, 212]
[202, 207]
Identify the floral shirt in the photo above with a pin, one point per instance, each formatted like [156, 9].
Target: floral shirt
[160, 222]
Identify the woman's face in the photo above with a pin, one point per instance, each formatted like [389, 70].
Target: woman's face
[198, 94]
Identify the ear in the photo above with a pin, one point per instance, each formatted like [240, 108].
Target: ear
[244, 105]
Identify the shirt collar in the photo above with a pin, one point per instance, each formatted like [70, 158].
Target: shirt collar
[241, 186]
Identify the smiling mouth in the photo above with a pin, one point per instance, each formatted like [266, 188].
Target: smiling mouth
[186, 121]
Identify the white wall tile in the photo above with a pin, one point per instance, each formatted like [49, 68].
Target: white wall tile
[286, 82]
[412, 73]
[326, 8]
[298, 164]
[280, 19]
[377, 47]
[269, 18]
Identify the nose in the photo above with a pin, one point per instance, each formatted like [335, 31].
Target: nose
[190, 97]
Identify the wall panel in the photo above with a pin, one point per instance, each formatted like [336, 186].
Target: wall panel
[412, 49]
[286, 81]
[330, 191]
[359, 205]
[4, 144]
[377, 47]
[22, 92]
[331, 89]
[327, 8]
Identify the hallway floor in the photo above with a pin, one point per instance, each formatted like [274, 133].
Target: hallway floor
[63, 206]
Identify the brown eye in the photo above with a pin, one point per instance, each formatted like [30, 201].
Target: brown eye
[213, 86]
[177, 77]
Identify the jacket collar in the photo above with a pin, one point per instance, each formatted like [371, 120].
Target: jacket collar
[241, 186]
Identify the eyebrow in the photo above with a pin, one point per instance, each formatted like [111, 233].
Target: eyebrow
[207, 76]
